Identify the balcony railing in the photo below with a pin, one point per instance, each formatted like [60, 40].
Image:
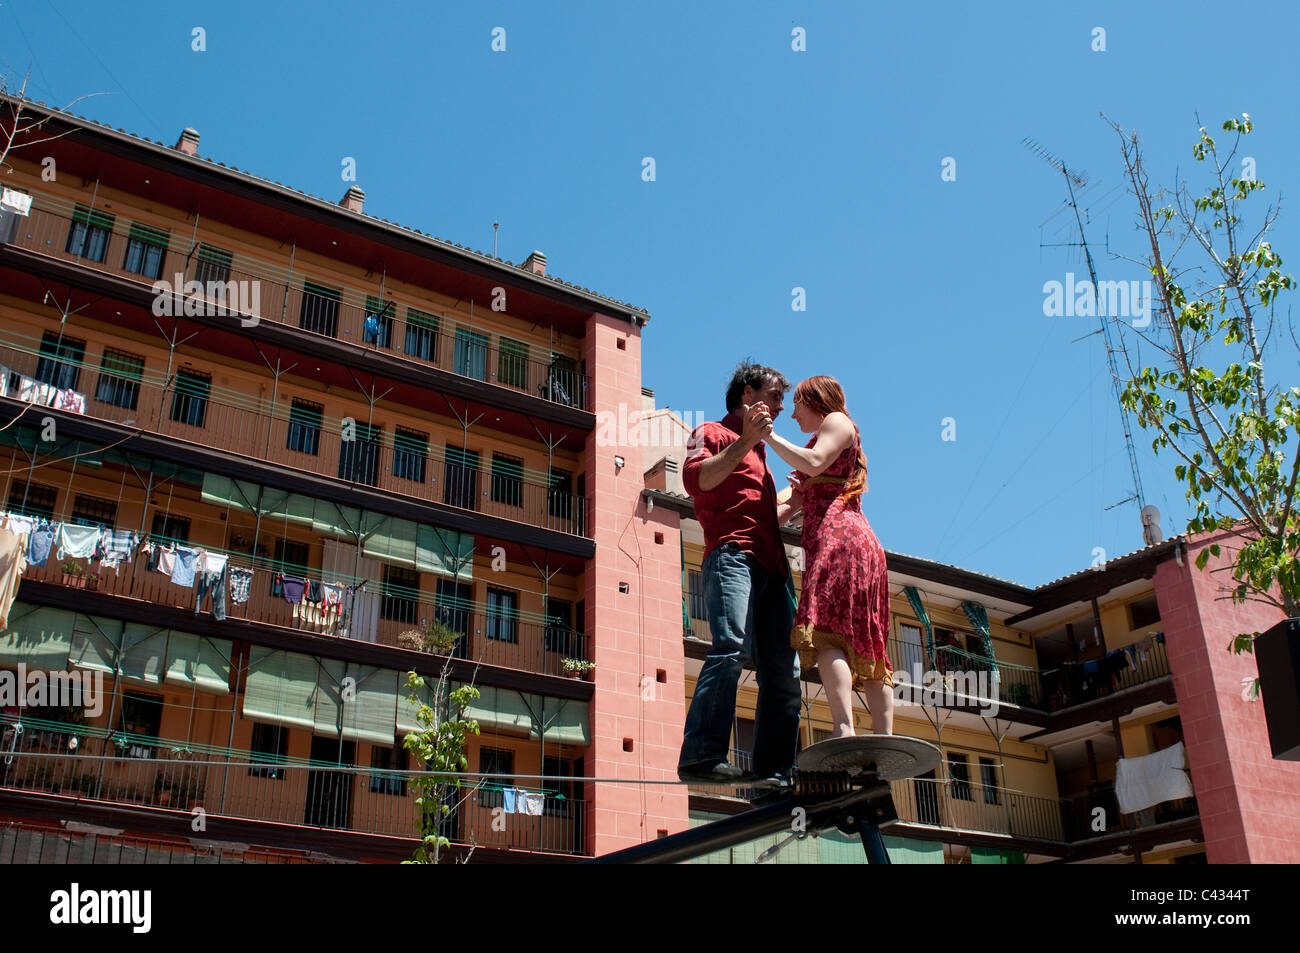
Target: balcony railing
[322, 796]
[283, 297]
[1073, 684]
[489, 638]
[1097, 813]
[185, 412]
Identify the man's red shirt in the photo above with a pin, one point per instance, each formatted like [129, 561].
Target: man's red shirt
[742, 508]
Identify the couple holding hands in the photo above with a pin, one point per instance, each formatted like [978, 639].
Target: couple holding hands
[842, 619]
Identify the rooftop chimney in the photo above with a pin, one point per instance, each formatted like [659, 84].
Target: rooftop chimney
[536, 263]
[353, 199]
[188, 143]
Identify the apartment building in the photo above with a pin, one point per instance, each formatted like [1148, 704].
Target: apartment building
[272, 438]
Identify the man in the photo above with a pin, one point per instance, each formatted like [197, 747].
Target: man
[744, 576]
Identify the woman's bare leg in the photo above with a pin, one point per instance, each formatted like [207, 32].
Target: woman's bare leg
[880, 699]
[837, 678]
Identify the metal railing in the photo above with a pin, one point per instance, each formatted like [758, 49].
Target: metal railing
[977, 807]
[24, 844]
[1074, 685]
[489, 639]
[285, 298]
[316, 795]
[1096, 813]
[183, 413]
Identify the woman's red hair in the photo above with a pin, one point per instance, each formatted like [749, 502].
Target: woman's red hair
[824, 395]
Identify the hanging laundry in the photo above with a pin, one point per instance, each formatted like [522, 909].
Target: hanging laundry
[78, 542]
[12, 566]
[70, 400]
[240, 579]
[315, 592]
[371, 328]
[293, 589]
[4, 381]
[40, 543]
[1147, 781]
[1092, 667]
[215, 562]
[1160, 637]
[215, 583]
[510, 801]
[167, 561]
[19, 525]
[187, 561]
[533, 804]
[333, 596]
[35, 392]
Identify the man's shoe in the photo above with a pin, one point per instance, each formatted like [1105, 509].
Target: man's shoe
[712, 772]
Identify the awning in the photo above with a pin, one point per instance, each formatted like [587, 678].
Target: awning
[566, 720]
[198, 662]
[360, 698]
[281, 688]
[38, 636]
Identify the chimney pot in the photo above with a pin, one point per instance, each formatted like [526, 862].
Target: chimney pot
[536, 263]
[188, 143]
[353, 199]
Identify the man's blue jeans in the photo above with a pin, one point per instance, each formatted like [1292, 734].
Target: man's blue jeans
[749, 613]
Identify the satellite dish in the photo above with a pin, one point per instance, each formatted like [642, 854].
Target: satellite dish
[1151, 534]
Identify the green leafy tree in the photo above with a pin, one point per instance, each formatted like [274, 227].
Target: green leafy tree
[440, 745]
[1216, 291]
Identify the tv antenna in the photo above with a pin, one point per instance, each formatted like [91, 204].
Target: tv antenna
[1078, 179]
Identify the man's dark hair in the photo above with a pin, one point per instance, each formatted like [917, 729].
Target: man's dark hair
[752, 375]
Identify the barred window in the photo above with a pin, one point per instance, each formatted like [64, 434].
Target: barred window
[119, 379]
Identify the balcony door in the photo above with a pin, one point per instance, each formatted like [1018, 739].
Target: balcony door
[329, 793]
[342, 563]
[460, 480]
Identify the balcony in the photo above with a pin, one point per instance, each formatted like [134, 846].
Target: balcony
[313, 795]
[1083, 820]
[376, 616]
[406, 330]
[186, 410]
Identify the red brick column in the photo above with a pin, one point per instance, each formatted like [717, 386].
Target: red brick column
[1249, 803]
[636, 634]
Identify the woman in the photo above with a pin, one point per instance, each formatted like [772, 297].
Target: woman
[843, 617]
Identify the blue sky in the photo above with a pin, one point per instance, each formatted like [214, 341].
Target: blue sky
[775, 169]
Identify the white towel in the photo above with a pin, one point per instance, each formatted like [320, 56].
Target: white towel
[78, 541]
[1144, 782]
[214, 562]
[533, 804]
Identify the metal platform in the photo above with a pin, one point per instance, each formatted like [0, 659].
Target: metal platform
[841, 783]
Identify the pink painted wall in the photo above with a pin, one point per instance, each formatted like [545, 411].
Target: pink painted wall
[636, 634]
[1249, 803]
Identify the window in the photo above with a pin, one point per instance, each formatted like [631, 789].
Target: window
[92, 511]
[410, 451]
[401, 587]
[213, 265]
[561, 380]
[495, 761]
[174, 529]
[1144, 612]
[377, 328]
[269, 746]
[507, 480]
[304, 427]
[460, 483]
[388, 759]
[821, 734]
[88, 237]
[926, 792]
[60, 362]
[959, 769]
[141, 722]
[119, 379]
[190, 402]
[512, 363]
[290, 559]
[989, 780]
[559, 498]
[471, 354]
[33, 499]
[695, 588]
[558, 789]
[320, 309]
[146, 247]
[502, 615]
[421, 335]
[359, 457]
[454, 604]
[559, 623]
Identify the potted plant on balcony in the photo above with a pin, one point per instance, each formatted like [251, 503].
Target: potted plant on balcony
[576, 667]
[430, 636]
[76, 576]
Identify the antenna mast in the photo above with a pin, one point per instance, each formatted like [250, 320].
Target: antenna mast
[1073, 179]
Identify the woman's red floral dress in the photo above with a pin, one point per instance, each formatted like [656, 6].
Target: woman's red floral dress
[844, 603]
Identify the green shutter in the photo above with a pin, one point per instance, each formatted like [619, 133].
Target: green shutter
[95, 643]
[95, 219]
[502, 709]
[422, 319]
[198, 662]
[38, 636]
[144, 654]
[406, 709]
[567, 721]
[150, 235]
[218, 256]
[281, 688]
[372, 711]
[445, 552]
